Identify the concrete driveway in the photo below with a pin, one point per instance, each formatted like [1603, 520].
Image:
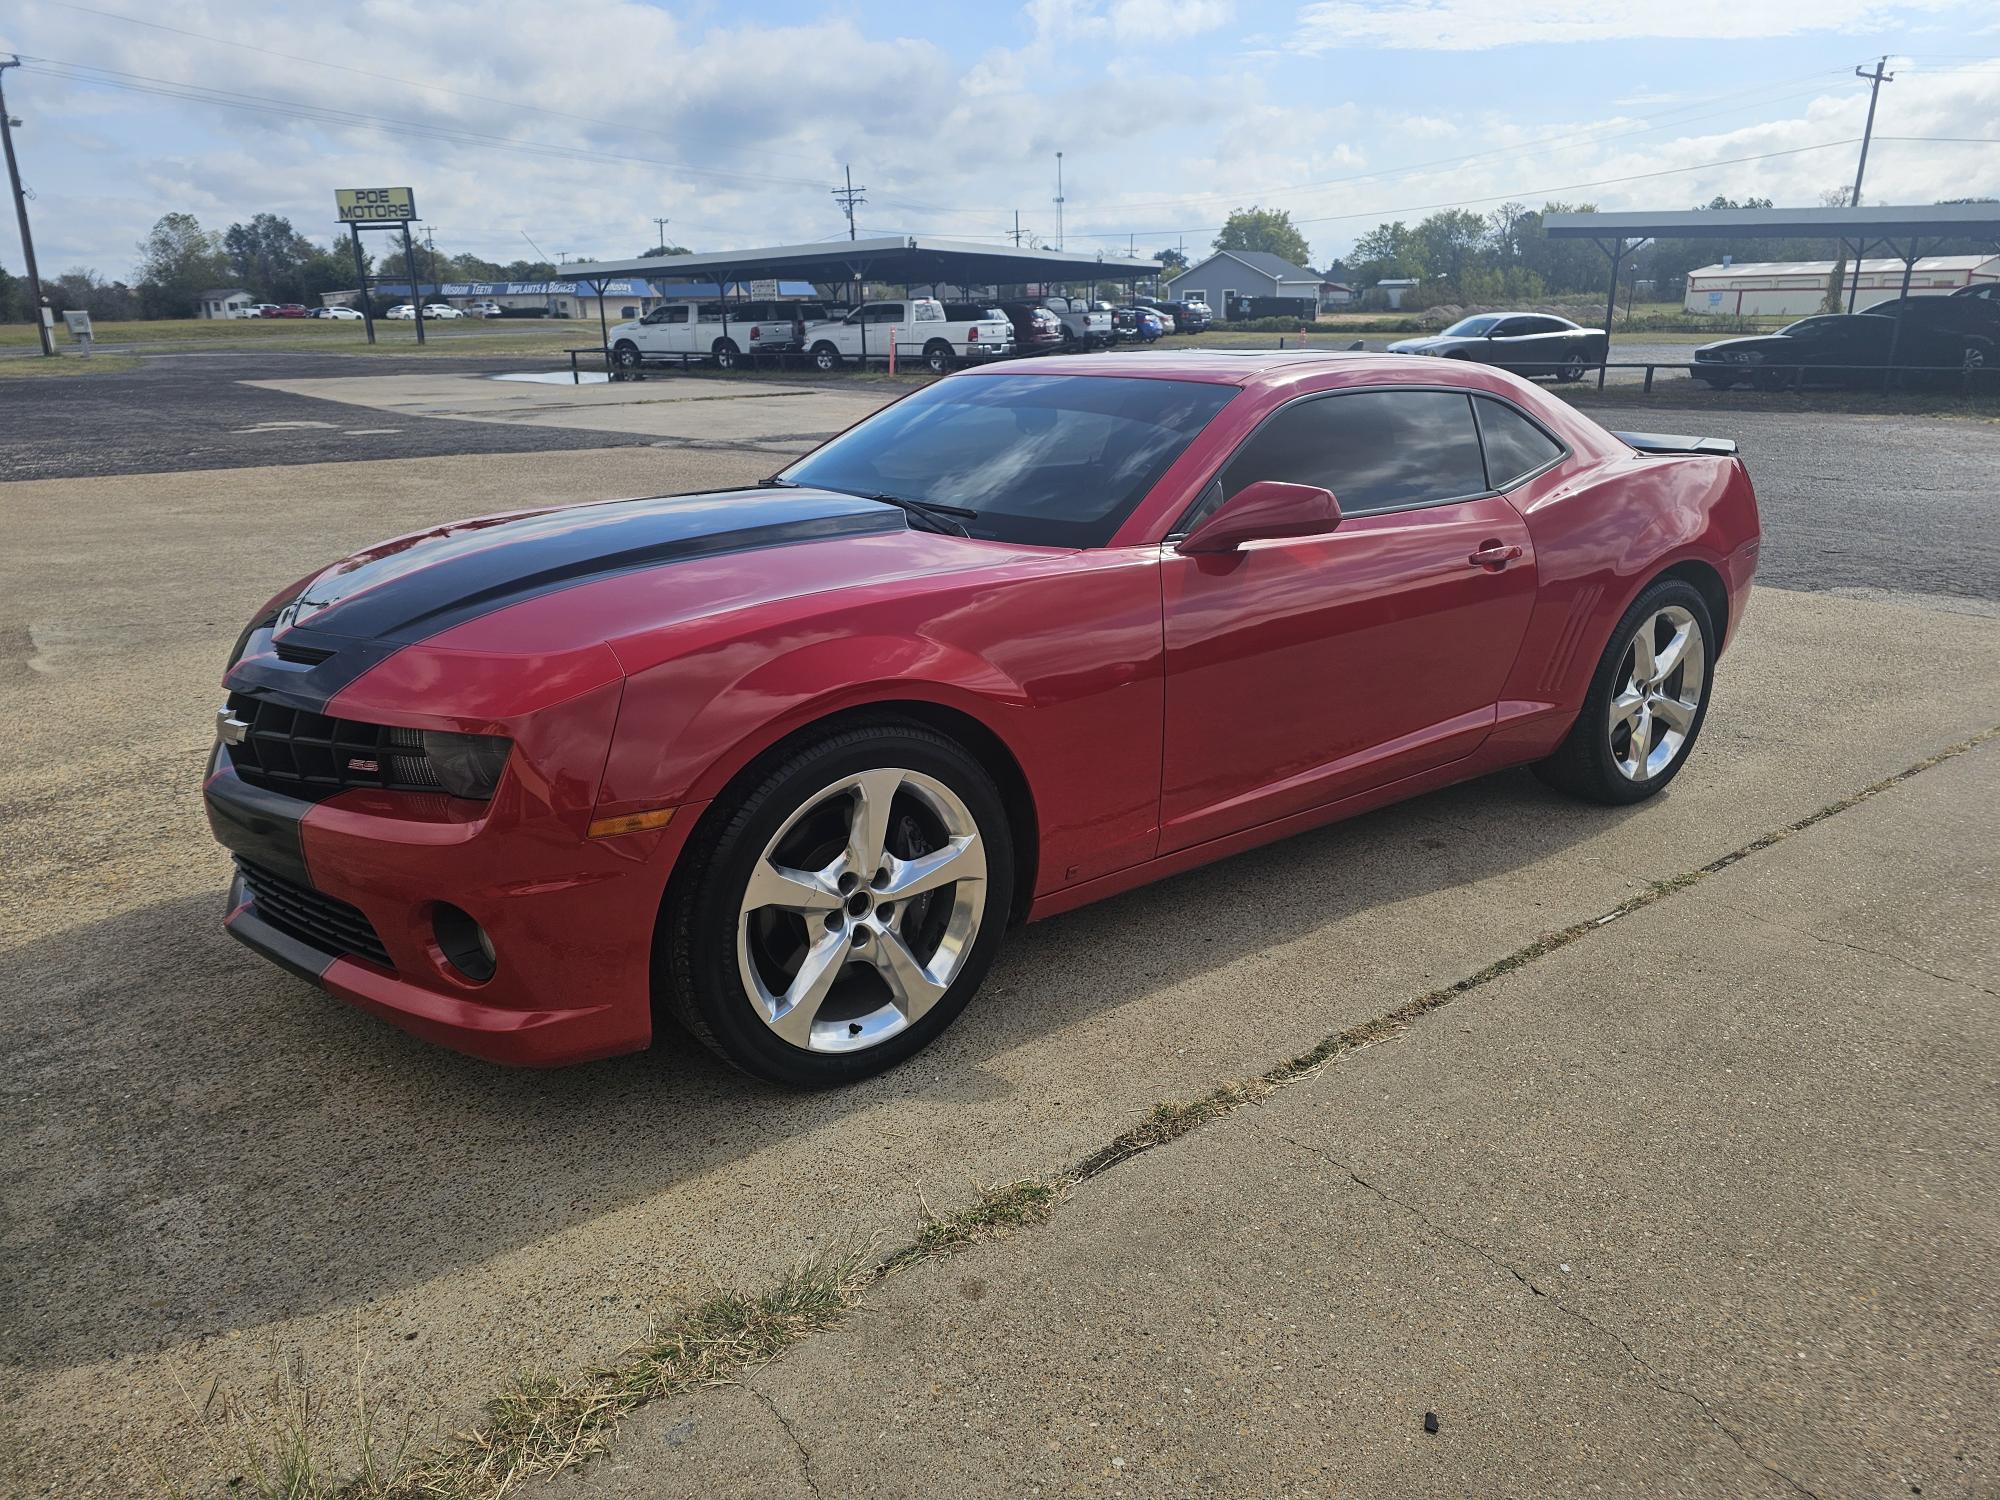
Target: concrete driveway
[208, 1166]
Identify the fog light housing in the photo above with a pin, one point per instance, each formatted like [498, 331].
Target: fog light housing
[464, 943]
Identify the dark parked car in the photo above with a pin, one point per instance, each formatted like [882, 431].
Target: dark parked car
[1189, 317]
[1986, 291]
[1958, 313]
[1842, 349]
[1036, 329]
[1526, 343]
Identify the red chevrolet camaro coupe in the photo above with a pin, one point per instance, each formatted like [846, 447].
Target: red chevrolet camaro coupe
[785, 762]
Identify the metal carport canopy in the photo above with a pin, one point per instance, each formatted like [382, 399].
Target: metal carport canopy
[906, 259]
[1867, 226]
[1864, 223]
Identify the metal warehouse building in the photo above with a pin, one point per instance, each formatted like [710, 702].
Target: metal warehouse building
[1797, 288]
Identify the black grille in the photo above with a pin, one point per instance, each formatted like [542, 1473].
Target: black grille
[308, 754]
[312, 916]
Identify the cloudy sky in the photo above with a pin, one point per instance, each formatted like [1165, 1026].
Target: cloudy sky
[575, 122]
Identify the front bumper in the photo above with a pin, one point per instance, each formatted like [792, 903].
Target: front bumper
[571, 919]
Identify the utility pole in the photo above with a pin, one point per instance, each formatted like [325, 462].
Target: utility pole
[1017, 229]
[1060, 243]
[7, 124]
[1876, 80]
[430, 244]
[660, 226]
[849, 196]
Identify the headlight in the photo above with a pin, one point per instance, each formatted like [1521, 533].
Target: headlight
[467, 765]
[1748, 357]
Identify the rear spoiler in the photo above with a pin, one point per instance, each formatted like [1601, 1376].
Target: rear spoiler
[1657, 442]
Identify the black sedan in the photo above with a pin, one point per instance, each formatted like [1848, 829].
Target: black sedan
[1526, 343]
[1836, 349]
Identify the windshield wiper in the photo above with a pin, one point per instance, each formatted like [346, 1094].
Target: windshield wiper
[935, 515]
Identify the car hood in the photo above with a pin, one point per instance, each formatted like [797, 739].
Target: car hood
[1424, 345]
[542, 581]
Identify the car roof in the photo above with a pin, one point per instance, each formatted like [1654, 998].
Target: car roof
[1244, 367]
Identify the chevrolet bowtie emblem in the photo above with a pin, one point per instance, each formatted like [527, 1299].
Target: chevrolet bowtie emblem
[229, 729]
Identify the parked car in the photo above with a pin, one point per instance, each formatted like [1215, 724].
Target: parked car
[1976, 315]
[1135, 324]
[441, 310]
[1083, 326]
[728, 334]
[920, 329]
[485, 309]
[403, 310]
[1168, 323]
[787, 762]
[339, 314]
[1036, 329]
[1526, 343]
[1189, 317]
[1843, 349]
[262, 310]
[1986, 291]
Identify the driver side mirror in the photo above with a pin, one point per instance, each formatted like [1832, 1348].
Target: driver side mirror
[1268, 509]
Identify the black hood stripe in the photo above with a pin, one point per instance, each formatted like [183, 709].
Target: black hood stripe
[357, 614]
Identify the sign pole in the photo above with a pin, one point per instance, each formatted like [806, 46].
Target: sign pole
[410, 265]
[361, 280]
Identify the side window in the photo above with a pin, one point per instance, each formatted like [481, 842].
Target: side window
[1508, 328]
[1376, 450]
[928, 312]
[1515, 447]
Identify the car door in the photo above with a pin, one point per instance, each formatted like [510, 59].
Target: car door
[1303, 670]
[1506, 342]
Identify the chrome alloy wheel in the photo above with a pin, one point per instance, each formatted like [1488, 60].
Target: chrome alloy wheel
[1654, 709]
[862, 910]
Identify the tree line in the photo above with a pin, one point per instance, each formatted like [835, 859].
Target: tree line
[266, 257]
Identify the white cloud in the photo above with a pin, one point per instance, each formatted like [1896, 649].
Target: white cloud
[1131, 22]
[1471, 25]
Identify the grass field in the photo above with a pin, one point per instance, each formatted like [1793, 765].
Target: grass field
[39, 369]
[453, 336]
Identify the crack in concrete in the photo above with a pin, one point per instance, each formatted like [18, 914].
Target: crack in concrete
[1910, 964]
[805, 1455]
[1653, 1376]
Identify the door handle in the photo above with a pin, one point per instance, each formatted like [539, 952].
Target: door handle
[1494, 555]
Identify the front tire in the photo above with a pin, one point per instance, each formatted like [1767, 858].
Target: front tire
[825, 357]
[625, 355]
[839, 911]
[1647, 701]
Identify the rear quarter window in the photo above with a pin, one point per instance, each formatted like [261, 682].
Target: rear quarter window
[1515, 447]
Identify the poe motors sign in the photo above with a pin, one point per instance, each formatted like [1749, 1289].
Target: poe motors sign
[390, 205]
[390, 208]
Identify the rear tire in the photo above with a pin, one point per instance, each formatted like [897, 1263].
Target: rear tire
[1638, 724]
[791, 961]
[727, 355]
[938, 357]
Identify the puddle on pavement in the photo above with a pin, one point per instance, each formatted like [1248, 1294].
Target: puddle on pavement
[559, 377]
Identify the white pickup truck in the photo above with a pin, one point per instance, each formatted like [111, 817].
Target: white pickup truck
[1083, 326]
[919, 330]
[683, 330]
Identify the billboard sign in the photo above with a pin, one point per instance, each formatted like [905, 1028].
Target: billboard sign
[392, 205]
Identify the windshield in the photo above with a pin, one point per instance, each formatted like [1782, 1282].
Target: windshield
[1049, 460]
[1470, 328]
[1808, 328]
